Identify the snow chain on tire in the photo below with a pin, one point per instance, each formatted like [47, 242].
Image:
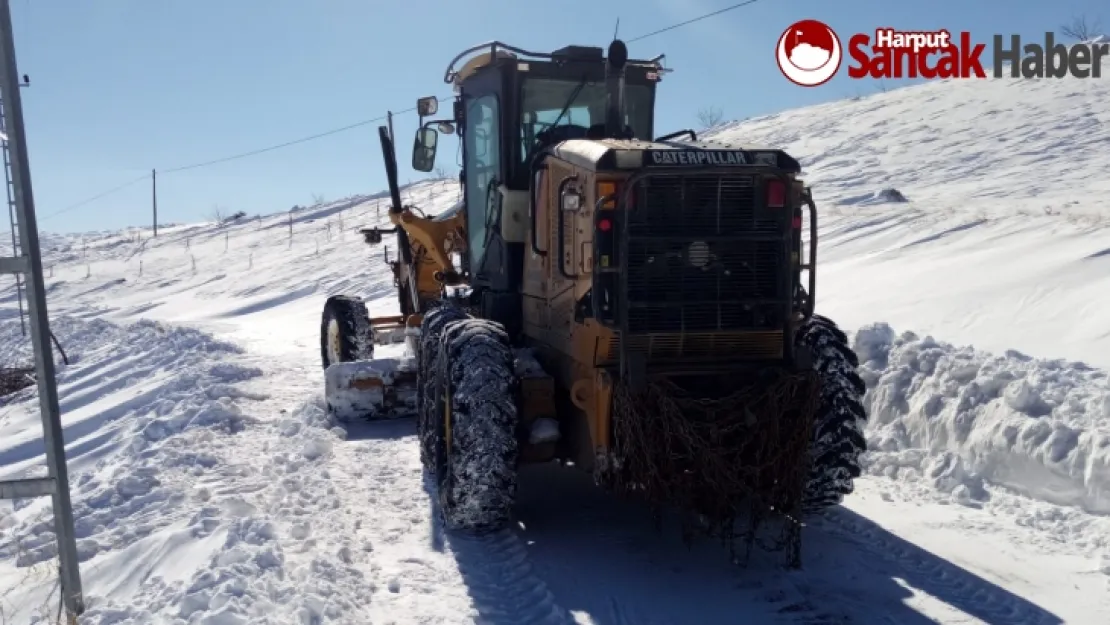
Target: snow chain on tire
[838, 431]
[431, 329]
[476, 447]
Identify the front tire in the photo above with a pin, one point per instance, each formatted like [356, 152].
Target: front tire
[838, 430]
[345, 331]
[476, 417]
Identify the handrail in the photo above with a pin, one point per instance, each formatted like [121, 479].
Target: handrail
[493, 46]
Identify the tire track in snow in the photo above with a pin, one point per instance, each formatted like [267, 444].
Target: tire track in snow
[792, 605]
[499, 577]
[942, 579]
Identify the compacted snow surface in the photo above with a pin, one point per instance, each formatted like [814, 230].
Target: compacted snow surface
[210, 488]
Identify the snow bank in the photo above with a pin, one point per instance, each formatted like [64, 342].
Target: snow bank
[963, 419]
[149, 412]
[250, 543]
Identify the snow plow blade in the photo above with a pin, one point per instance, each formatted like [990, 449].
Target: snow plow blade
[378, 388]
[370, 390]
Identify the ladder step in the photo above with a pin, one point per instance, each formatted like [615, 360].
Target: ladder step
[14, 265]
[21, 489]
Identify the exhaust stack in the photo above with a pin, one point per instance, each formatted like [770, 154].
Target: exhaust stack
[614, 89]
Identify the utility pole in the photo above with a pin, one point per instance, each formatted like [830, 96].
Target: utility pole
[12, 218]
[154, 197]
[389, 116]
[29, 264]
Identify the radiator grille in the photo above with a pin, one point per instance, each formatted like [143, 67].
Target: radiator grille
[700, 206]
[703, 255]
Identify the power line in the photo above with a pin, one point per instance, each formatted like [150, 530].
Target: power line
[226, 159]
[289, 143]
[349, 126]
[280, 145]
[696, 19]
[97, 197]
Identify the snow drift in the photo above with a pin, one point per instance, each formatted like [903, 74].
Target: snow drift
[961, 418]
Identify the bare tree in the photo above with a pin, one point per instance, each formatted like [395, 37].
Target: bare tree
[217, 214]
[1081, 29]
[710, 117]
[318, 198]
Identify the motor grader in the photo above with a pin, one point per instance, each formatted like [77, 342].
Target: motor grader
[642, 309]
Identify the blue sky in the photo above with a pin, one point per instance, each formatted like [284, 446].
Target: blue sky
[123, 86]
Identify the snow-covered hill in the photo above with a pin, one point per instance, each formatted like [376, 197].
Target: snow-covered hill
[210, 488]
[1003, 242]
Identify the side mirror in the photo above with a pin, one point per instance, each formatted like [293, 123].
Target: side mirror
[426, 107]
[424, 149]
[446, 128]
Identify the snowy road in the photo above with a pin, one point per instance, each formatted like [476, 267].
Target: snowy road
[291, 514]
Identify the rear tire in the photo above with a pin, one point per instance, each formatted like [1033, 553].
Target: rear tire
[838, 430]
[345, 331]
[475, 446]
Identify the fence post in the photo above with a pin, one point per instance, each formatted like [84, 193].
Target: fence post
[154, 198]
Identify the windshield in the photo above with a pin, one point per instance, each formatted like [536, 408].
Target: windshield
[544, 98]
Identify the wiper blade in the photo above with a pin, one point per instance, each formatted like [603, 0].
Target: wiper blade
[566, 107]
[571, 99]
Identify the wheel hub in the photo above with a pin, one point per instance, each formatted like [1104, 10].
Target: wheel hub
[334, 349]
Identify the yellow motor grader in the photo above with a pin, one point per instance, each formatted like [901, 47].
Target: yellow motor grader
[641, 308]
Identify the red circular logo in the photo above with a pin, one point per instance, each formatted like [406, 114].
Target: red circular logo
[809, 53]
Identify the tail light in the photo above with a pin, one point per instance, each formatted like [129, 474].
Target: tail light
[776, 193]
[613, 191]
[603, 289]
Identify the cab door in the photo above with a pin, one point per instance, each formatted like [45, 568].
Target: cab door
[483, 164]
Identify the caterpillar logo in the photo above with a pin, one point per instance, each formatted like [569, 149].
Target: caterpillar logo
[699, 157]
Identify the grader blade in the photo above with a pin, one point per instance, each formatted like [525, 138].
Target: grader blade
[370, 390]
[375, 389]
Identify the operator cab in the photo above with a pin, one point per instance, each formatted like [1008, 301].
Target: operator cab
[511, 104]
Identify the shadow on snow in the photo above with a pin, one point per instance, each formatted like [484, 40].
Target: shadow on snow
[578, 550]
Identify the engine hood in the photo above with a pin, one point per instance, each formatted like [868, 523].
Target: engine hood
[623, 154]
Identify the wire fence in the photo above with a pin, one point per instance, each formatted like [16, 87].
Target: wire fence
[314, 229]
